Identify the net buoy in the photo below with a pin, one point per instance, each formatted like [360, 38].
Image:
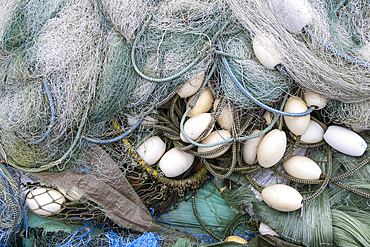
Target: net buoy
[191, 86]
[203, 104]
[302, 167]
[345, 141]
[271, 148]
[195, 126]
[297, 125]
[175, 162]
[152, 150]
[45, 201]
[250, 148]
[214, 137]
[282, 197]
[265, 51]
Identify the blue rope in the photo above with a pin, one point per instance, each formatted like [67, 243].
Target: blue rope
[52, 118]
[340, 5]
[144, 99]
[116, 138]
[250, 96]
[337, 52]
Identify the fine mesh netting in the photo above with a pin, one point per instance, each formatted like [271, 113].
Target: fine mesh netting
[326, 71]
[85, 85]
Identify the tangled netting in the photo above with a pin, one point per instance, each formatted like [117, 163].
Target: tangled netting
[11, 206]
[264, 84]
[351, 114]
[84, 83]
[318, 47]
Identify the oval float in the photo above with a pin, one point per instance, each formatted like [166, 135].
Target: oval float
[152, 150]
[345, 141]
[297, 125]
[302, 167]
[265, 51]
[313, 134]
[250, 147]
[271, 148]
[195, 126]
[294, 15]
[175, 162]
[191, 86]
[214, 137]
[268, 116]
[73, 194]
[226, 118]
[315, 99]
[203, 104]
[282, 197]
[45, 202]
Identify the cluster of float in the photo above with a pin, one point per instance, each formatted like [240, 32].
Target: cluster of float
[45, 201]
[266, 150]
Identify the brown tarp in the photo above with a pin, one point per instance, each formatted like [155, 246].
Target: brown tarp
[116, 195]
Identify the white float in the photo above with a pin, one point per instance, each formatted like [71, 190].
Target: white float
[294, 15]
[175, 162]
[315, 99]
[195, 126]
[214, 137]
[302, 167]
[282, 197]
[345, 141]
[152, 150]
[297, 125]
[192, 86]
[314, 133]
[271, 148]
[203, 104]
[266, 230]
[45, 202]
[250, 147]
[73, 194]
[226, 118]
[265, 51]
[268, 116]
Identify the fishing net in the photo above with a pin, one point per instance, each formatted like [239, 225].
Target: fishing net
[127, 16]
[211, 209]
[327, 71]
[264, 84]
[349, 26]
[350, 114]
[11, 206]
[85, 83]
[48, 87]
[171, 49]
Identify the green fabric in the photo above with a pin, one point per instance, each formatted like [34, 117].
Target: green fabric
[211, 207]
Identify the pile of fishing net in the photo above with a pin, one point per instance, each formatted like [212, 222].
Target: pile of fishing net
[179, 122]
